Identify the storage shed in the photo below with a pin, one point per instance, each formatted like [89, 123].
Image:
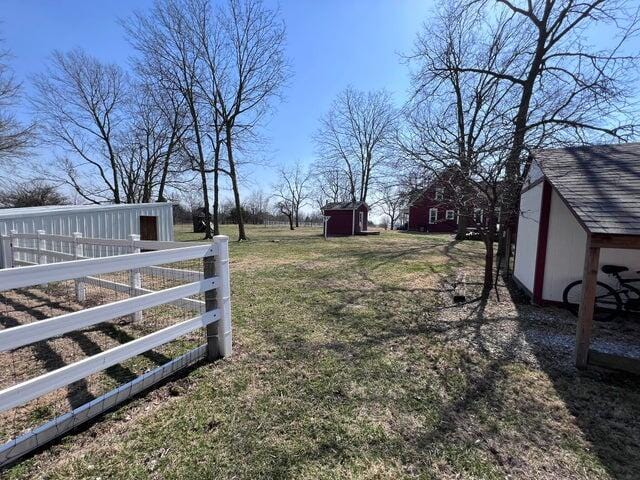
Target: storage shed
[152, 221]
[345, 218]
[579, 210]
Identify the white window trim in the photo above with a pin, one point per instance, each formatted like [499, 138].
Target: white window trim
[431, 222]
[439, 196]
[450, 215]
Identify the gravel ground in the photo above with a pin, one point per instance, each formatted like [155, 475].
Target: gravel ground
[508, 326]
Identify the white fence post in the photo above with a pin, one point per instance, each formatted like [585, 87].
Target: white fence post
[135, 277]
[12, 244]
[219, 334]
[41, 245]
[78, 253]
[6, 251]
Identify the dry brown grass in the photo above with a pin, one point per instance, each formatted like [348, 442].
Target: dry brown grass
[351, 362]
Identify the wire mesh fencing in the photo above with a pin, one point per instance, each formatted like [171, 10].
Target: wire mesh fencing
[173, 295]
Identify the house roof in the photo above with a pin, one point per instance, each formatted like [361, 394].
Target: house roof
[344, 205]
[600, 184]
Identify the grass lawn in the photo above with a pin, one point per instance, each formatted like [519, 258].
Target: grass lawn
[350, 362]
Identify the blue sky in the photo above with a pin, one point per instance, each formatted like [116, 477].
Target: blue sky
[331, 44]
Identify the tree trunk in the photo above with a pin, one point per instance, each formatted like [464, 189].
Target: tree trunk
[207, 212]
[489, 237]
[463, 222]
[512, 185]
[290, 217]
[216, 193]
[234, 183]
[165, 168]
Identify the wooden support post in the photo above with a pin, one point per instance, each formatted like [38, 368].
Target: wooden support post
[78, 253]
[219, 335]
[135, 277]
[587, 304]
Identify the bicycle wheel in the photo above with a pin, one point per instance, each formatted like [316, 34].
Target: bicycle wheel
[607, 304]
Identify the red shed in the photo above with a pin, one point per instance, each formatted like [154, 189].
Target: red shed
[345, 218]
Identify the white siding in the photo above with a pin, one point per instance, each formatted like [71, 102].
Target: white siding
[565, 252]
[527, 240]
[101, 221]
[535, 173]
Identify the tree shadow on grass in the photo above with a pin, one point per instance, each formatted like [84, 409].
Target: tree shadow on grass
[455, 388]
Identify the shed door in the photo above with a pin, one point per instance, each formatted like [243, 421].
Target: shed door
[148, 228]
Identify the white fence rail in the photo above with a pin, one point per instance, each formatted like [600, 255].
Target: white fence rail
[213, 282]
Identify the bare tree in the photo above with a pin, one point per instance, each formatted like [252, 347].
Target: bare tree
[142, 150]
[329, 184]
[354, 137]
[391, 203]
[455, 123]
[285, 207]
[15, 137]
[119, 142]
[463, 119]
[250, 69]
[169, 55]
[31, 194]
[257, 206]
[226, 60]
[80, 103]
[164, 119]
[567, 90]
[293, 190]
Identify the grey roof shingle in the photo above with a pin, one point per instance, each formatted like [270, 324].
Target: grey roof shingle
[600, 184]
[343, 205]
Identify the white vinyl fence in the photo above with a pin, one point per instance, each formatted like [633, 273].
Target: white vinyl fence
[280, 223]
[33, 254]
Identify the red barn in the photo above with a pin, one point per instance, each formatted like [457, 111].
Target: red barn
[345, 218]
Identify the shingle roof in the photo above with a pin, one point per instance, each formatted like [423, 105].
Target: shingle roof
[600, 184]
[344, 205]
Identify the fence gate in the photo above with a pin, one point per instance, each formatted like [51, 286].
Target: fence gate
[87, 323]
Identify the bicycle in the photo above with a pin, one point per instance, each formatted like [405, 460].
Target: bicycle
[609, 302]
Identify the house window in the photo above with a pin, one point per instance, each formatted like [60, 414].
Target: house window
[478, 215]
[439, 194]
[451, 214]
[433, 215]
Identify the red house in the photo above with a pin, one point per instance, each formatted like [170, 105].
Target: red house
[430, 211]
[435, 208]
[345, 218]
